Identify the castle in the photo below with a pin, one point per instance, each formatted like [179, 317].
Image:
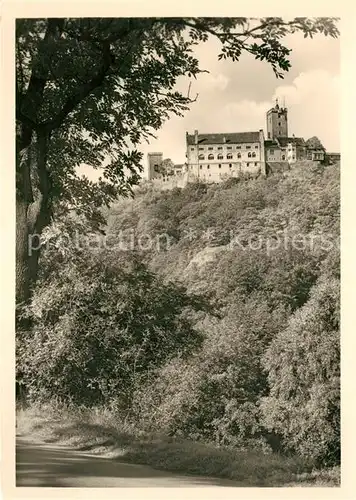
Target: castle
[214, 157]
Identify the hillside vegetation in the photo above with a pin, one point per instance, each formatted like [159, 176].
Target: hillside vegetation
[212, 314]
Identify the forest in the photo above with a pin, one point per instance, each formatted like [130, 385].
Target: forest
[229, 341]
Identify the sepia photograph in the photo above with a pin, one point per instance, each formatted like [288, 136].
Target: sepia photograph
[177, 252]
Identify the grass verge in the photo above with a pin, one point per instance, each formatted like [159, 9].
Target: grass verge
[99, 431]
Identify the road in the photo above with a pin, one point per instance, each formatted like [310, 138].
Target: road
[57, 466]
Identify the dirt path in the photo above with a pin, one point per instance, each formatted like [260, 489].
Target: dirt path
[57, 466]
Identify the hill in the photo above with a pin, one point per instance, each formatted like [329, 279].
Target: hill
[264, 251]
[208, 313]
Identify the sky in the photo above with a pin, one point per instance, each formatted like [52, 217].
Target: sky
[234, 96]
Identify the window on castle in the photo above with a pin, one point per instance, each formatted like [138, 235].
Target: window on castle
[248, 147]
[210, 148]
[210, 157]
[229, 147]
[200, 166]
[219, 165]
[230, 165]
[239, 155]
[229, 156]
[269, 135]
[220, 156]
[192, 149]
[248, 163]
[271, 151]
[201, 157]
[249, 155]
[253, 155]
[201, 149]
[256, 147]
[283, 157]
[208, 166]
[256, 163]
[238, 147]
[220, 147]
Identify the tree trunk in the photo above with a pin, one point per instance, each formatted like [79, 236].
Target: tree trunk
[32, 216]
[22, 261]
[30, 222]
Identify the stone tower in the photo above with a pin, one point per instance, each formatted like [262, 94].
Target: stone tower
[154, 161]
[277, 122]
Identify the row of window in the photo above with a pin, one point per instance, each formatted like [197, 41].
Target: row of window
[283, 157]
[220, 148]
[315, 156]
[229, 156]
[219, 165]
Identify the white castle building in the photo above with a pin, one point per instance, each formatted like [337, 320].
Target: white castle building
[215, 157]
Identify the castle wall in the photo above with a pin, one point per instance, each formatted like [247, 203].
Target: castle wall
[217, 162]
[220, 172]
[274, 154]
[170, 182]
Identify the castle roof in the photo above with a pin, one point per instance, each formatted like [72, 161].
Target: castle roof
[277, 109]
[228, 138]
[271, 144]
[284, 141]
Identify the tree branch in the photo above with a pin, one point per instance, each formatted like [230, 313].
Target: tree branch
[249, 32]
[82, 92]
[28, 108]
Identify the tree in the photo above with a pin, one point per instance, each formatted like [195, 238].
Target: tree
[303, 365]
[167, 166]
[314, 143]
[91, 90]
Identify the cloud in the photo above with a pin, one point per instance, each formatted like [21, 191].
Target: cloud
[246, 113]
[214, 81]
[306, 86]
[313, 102]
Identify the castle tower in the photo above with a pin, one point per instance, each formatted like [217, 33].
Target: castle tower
[277, 122]
[154, 161]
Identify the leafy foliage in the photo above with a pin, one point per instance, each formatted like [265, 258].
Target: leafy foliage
[304, 377]
[255, 367]
[100, 326]
[217, 393]
[314, 143]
